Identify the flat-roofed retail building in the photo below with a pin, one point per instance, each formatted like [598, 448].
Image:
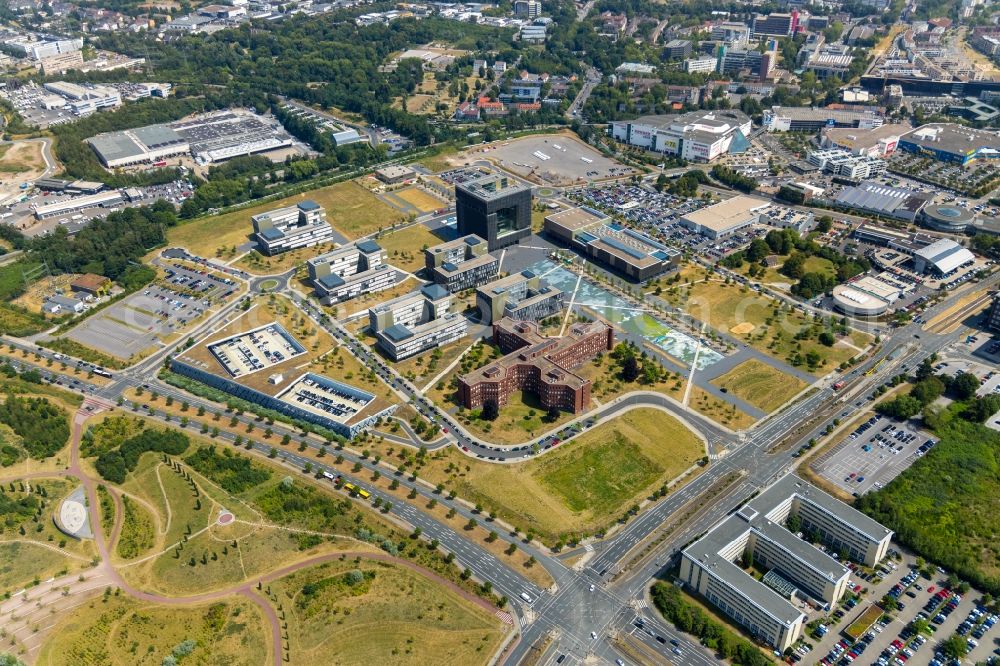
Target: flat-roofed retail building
[628, 252]
[726, 217]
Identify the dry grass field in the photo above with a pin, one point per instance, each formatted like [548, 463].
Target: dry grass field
[760, 384]
[362, 612]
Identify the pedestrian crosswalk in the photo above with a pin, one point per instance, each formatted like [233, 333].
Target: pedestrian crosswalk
[505, 617]
[641, 604]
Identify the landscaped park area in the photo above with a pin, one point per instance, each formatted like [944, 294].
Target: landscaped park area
[778, 330]
[370, 612]
[585, 484]
[351, 209]
[760, 384]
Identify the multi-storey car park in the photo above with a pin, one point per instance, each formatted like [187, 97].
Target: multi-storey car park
[634, 255]
[416, 322]
[350, 271]
[520, 296]
[713, 566]
[538, 364]
[461, 264]
[263, 365]
[291, 227]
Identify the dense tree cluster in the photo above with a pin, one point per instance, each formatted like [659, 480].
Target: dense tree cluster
[108, 247]
[691, 619]
[232, 472]
[733, 178]
[42, 426]
[114, 465]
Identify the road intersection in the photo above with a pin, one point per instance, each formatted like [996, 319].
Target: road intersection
[587, 606]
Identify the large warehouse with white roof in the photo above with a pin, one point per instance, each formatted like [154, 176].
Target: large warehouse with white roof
[942, 257]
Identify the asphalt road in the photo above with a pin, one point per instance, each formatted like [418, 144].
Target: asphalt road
[587, 606]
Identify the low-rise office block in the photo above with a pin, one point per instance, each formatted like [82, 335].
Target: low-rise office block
[520, 296]
[462, 263]
[628, 252]
[538, 364]
[760, 535]
[416, 322]
[349, 271]
[292, 227]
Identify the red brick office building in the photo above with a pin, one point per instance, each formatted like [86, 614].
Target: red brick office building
[538, 364]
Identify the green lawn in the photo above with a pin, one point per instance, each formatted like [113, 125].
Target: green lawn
[350, 208]
[760, 384]
[600, 478]
[729, 308]
[582, 485]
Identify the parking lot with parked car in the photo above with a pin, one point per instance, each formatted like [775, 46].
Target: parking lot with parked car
[897, 638]
[872, 455]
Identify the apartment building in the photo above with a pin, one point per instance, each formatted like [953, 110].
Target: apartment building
[538, 364]
[292, 227]
[520, 296]
[349, 271]
[416, 322]
[462, 263]
[775, 25]
[798, 573]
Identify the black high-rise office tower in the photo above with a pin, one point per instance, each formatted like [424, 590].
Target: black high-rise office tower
[495, 207]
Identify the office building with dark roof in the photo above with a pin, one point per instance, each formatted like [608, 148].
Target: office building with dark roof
[538, 364]
[291, 227]
[798, 573]
[416, 322]
[630, 253]
[520, 296]
[494, 206]
[461, 264]
[349, 271]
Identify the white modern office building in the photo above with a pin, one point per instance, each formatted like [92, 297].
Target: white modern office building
[416, 322]
[291, 227]
[797, 573]
[842, 163]
[349, 271]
